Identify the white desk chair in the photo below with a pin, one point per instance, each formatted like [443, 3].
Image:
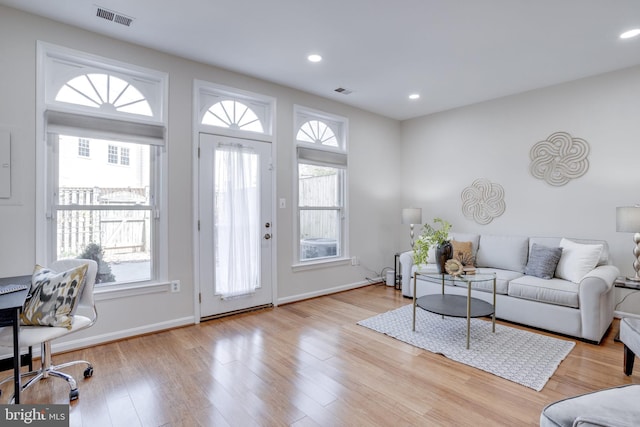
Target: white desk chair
[85, 316]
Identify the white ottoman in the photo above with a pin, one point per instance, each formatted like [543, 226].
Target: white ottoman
[616, 406]
[630, 337]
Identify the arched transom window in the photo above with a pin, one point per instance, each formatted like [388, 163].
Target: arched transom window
[232, 114]
[317, 132]
[106, 92]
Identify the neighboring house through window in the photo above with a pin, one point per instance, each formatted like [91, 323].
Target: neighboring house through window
[321, 149]
[83, 148]
[118, 111]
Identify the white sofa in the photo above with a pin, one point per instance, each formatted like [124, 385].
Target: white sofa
[582, 307]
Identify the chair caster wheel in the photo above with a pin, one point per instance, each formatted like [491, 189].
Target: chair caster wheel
[88, 372]
[74, 395]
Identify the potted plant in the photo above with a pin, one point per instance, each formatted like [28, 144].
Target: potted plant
[437, 236]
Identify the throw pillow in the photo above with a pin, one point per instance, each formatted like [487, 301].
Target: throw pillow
[542, 261]
[463, 252]
[577, 260]
[53, 296]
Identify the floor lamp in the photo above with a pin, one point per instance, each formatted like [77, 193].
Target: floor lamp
[411, 216]
[628, 220]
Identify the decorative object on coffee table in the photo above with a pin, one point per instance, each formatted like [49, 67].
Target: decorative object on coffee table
[483, 201]
[433, 237]
[453, 267]
[463, 252]
[559, 159]
[444, 252]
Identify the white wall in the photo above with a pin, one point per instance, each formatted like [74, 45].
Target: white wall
[374, 199]
[444, 153]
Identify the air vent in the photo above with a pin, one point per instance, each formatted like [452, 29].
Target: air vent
[112, 16]
[343, 91]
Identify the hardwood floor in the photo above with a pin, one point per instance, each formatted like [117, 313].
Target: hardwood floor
[308, 364]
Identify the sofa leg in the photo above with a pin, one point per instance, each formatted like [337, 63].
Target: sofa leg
[629, 358]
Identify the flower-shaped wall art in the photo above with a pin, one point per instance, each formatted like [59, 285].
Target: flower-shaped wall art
[559, 159]
[483, 201]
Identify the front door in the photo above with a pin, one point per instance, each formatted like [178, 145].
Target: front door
[235, 197]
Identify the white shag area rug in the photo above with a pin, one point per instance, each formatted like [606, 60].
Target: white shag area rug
[520, 356]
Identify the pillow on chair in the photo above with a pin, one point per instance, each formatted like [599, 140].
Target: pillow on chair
[53, 297]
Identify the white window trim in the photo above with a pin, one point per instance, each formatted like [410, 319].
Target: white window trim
[203, 89]
[45, 173]
[301, 115]
[49, 52]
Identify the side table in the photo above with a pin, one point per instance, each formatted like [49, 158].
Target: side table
[624, 283]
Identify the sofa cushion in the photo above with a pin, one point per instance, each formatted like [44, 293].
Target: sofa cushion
[542, 261]
[555, 242]
[53, 296]
[467, 237]
[503, 252]
[502, 280]
[463, 252]
[577, 260]
[553, 291]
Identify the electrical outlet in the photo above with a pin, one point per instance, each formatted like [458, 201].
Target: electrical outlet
[355, 261]
[175, 286]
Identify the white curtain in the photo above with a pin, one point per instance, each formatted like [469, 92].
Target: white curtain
[237, 215]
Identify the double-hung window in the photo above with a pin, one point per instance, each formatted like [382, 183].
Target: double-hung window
[106, 203]
[321, 153]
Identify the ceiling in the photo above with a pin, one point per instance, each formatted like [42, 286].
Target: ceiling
[451, 52]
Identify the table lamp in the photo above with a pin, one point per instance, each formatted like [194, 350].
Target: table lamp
[628, 220]
[411, 216]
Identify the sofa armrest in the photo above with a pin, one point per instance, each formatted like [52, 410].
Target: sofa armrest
[597, 301]
[607, 273]
[406, 270]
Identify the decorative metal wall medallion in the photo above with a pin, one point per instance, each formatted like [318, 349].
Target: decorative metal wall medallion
[483, 201]
[559, 159]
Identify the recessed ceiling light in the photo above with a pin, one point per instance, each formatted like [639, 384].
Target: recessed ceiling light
[630, 33]
[414, 96]
[314, 58]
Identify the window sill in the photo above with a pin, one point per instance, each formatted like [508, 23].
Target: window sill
[313, 265]
[107, 292]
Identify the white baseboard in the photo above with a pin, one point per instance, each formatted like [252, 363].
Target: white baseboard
[74, 344]
[322, 292]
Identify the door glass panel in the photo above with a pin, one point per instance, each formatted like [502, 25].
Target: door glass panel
[237, 220]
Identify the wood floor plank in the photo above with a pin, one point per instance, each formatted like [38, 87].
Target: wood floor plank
[308, 364]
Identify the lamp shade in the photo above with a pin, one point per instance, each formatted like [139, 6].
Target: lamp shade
[412, 216]
[628, 219]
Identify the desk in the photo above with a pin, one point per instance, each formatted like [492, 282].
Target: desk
[10, 307]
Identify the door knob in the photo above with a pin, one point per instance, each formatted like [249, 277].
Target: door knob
[267, 236]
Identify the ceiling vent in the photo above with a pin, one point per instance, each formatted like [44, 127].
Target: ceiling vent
[116, 17]
[343, 91]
